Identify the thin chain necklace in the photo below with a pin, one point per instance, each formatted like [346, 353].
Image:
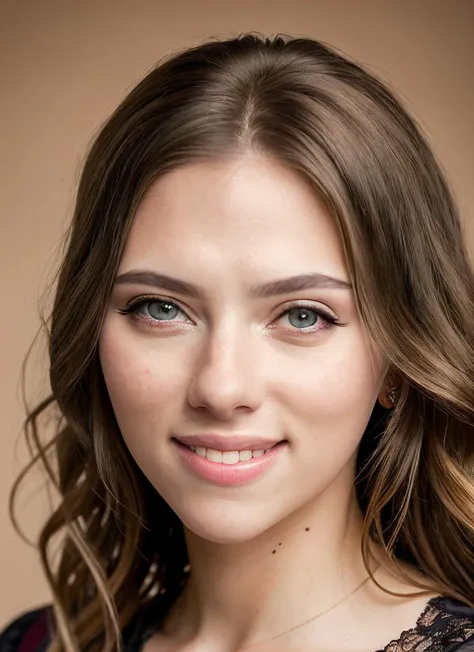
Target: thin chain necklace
[325, 611]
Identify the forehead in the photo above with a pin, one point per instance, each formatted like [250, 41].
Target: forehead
[244, 209]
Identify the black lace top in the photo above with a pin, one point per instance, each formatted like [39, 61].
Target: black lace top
[445, 625]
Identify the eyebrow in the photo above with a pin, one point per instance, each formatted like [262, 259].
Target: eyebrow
[273, 288]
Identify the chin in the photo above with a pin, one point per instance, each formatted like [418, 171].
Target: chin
[226, 523]
[223, 533]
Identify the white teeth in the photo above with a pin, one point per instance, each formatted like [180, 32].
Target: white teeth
[230, 457]
[226, 457]
[213, 455]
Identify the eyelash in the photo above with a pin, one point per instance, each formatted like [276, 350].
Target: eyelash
[135, 305]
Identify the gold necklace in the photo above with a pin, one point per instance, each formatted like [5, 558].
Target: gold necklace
[325, 611]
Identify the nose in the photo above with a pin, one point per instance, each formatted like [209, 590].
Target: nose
[226, 377]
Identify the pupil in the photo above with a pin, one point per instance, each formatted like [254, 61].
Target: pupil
[161, 310]
[304, 317]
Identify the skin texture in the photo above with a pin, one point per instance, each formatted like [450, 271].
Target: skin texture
[230, 363]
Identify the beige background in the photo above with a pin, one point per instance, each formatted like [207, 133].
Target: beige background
[67, 64]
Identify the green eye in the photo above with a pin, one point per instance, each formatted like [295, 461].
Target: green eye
[302, 317]
[162, 310]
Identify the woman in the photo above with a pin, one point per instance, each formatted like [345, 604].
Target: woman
[262, 364]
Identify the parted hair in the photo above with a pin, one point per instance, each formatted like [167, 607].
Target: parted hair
[302, 103]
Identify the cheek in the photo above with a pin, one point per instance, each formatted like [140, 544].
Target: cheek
[331, 391]
[139, 382]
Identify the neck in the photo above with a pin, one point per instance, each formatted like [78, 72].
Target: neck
[243, 593]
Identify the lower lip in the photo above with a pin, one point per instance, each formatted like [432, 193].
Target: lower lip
[229, 475]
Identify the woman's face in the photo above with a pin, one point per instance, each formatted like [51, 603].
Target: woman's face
[238, 344]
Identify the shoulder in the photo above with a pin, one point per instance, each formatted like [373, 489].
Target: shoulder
[28, 632]
[31, 631]
[457, 621]
[446, 625]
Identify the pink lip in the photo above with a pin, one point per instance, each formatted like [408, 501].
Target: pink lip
[229, 475]
[228, 442]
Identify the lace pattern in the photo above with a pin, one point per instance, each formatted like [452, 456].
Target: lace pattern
[443, 626]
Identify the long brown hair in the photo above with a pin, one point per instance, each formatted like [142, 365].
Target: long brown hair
[300, 102]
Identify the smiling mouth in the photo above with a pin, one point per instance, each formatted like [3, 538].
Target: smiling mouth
[229, 468]
[228, 457]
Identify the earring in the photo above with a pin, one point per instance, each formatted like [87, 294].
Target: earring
[393, 395]
[388, 398]
[390, 391]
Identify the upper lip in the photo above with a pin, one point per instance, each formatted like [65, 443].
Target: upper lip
[228, 442]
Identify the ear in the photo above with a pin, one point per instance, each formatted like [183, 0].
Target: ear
[388, 399]
[388, 395]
